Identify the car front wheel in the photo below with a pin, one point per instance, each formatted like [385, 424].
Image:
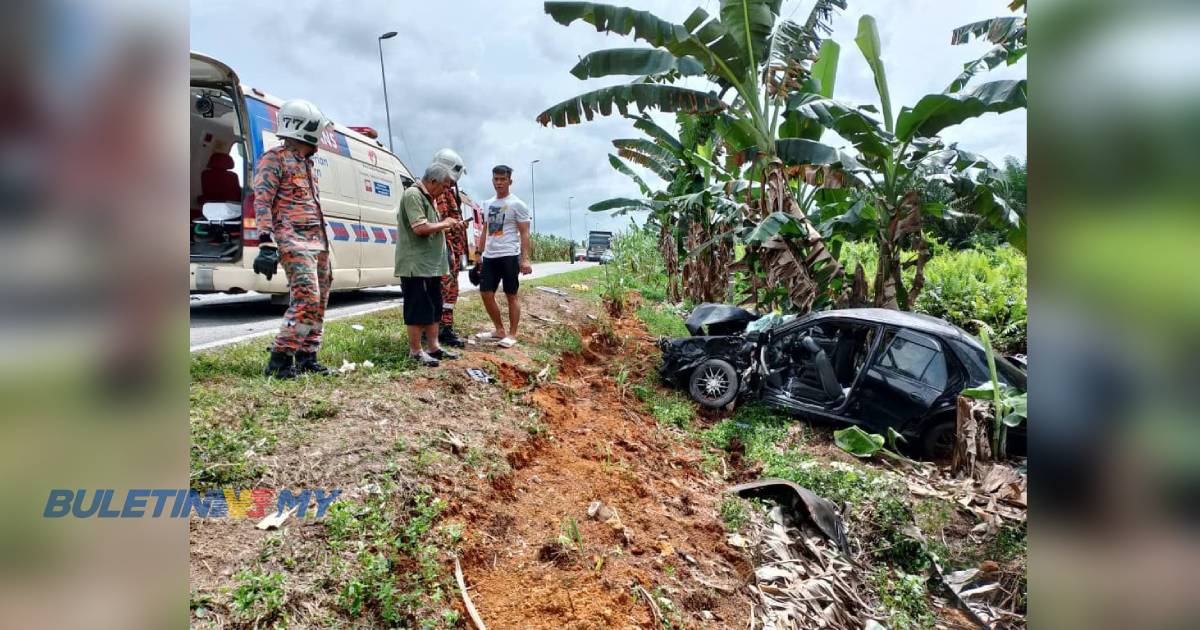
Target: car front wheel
[714, 383]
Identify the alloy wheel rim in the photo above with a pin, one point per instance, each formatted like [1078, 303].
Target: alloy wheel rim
[714, 383]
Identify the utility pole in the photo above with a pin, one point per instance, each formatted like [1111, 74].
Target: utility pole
[533, 184]
[383, 75]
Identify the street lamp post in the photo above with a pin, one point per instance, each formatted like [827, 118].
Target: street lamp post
[533, 185]
[571, 228]
[383, 75]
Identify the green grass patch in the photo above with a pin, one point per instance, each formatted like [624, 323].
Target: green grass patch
[905, 598]
[662, 322]
[562, 339]
[734, 513]
[396, 577]
[871, 495]
[259, 597]
[668, 407]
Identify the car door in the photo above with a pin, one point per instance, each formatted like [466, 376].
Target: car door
[903, 381]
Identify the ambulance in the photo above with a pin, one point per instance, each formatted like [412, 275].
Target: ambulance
[360, 184]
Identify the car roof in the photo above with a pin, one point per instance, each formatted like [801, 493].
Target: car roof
[904, 319]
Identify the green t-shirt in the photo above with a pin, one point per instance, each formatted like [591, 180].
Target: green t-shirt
[419, 256]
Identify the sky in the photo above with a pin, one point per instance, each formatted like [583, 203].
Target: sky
[473, 76]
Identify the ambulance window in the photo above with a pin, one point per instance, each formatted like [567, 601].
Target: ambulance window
[406, 182]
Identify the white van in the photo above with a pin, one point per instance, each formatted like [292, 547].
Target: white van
[360, 183]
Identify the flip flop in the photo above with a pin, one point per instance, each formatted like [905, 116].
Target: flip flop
[508, 342]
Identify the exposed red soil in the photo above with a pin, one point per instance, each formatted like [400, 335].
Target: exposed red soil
[599, 445]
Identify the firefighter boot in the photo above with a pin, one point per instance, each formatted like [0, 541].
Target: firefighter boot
[447, 336]
[306, 362]
[280, 366]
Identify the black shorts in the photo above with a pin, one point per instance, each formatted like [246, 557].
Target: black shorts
[422, 300]
[506, 268]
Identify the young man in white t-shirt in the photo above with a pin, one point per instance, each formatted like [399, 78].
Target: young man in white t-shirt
[505, 253]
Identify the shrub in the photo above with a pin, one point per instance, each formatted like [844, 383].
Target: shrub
[638, 261]
[965, 287]
[549, 248]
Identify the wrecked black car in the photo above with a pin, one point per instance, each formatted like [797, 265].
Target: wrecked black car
[876, 368]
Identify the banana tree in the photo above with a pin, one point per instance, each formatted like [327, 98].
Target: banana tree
[897, 162]
[1009, 36]
[685, 227]
[753, 61]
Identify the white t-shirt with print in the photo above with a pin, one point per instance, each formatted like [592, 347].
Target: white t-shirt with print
[501, 217]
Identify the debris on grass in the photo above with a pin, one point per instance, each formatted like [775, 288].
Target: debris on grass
[276, 519]
[467, 603]
[802, 580]
[479, 376]
[553, 291]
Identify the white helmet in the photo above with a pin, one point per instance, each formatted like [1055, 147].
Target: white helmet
[301, 120]
[450, 161]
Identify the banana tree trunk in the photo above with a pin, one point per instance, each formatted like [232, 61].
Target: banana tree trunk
[705, 273]
[802, 266]
[670, 255]
[902, 229]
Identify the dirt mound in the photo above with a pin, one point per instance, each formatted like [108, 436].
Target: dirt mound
[535, 558]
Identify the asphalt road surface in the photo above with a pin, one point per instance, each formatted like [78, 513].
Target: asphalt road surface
[219, 319]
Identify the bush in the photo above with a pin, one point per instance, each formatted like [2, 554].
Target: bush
[965, 287]
[988, 285]
[549, 248]
[637, 260]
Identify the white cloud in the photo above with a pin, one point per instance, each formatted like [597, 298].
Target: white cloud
[474, 76]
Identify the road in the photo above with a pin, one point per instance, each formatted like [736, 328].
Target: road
[220, 318]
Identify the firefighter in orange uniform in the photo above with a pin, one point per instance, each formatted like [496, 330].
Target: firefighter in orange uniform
[449, 205]
[291, 230]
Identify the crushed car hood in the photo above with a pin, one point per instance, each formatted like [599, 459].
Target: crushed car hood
[721, 319]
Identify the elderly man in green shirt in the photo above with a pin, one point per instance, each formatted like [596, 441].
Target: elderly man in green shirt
[421, 258]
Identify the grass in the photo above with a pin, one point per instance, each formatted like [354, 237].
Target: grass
[669, 408]
[564, 340]
[396, 575]
[569, 534]
[734, 513]
[259, 598]
[384, 558]
[662, 321]
[904, 597]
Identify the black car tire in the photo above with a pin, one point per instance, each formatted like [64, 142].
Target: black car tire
[938, 441]
[713, 383]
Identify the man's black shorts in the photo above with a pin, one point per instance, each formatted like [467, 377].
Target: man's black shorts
[506, 268]
[422, 300]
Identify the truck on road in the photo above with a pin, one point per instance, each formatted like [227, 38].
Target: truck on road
[598, 244]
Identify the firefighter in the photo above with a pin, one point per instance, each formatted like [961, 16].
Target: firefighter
[291, 230]
[449, 205]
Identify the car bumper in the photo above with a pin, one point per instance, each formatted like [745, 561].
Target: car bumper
[230, 278]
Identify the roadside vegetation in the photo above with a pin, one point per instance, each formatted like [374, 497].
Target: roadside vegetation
[549, 248]
[379, 431]
[744, 204]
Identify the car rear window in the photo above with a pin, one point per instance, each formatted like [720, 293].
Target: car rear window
[916, 357]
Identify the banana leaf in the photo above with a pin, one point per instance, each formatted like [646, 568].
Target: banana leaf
[667, 98]
[868, 42]
[750, 22]
[935, 112]
[634, 61]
